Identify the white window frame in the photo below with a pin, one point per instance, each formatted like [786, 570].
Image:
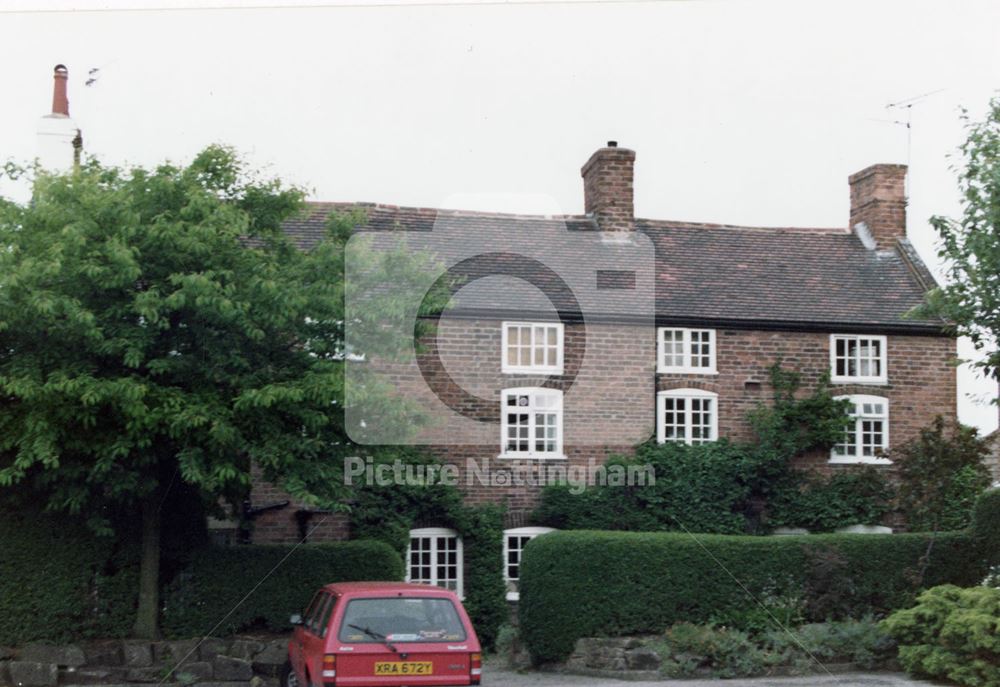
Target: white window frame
[557, 408]
[661, 405]
[435, 534]
[687, 367]
[531, 532]
[882, 378]
[858, 400]
[507, 368]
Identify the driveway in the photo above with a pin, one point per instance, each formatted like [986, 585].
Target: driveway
[501, 678]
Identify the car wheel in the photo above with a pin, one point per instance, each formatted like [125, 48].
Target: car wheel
[288, 677]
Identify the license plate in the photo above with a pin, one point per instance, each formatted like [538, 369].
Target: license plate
[400, 668]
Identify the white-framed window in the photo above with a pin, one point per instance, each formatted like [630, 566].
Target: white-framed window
[858, 358]
[531, 422]
[868, 434]
[690, 416]
[532, 347]
[690, 351]
[434, 556]
[513, 545]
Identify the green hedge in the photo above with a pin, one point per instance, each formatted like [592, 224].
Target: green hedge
[60, 582]
[589, 583]
[986, 524]
[208, 597]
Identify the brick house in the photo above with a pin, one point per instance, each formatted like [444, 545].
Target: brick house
[726, 303]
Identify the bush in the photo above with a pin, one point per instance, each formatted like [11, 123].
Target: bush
[60, 582]
[861, 497]
[592, 584]
[208, 597]
[861, 642]
[951, 634]
[690, 650]
[986, 524]
[698, 488]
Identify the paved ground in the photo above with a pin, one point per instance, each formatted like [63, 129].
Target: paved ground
[498, 678]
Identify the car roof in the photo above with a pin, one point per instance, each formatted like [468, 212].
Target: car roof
[382, 588]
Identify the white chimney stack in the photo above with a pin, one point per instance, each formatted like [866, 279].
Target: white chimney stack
[56, 131]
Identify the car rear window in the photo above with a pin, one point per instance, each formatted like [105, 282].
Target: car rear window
[401, 619]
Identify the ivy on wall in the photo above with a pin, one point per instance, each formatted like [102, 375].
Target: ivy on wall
[737, 487]
[389, 512]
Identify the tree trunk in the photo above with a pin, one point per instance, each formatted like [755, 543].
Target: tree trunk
[147, 624]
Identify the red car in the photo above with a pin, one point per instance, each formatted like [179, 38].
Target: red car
[382, 633]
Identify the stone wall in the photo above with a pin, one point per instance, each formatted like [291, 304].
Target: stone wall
[244, 661]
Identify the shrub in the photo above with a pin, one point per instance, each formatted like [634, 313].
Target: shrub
[691, 649]
[721, 487]
[589, 584]
[861, 497]
[861, 642]
[785, 608]
[219, 593]
[986, 524]
[688, 649]
[59, 582]
[951, 634]
[941, 473]
[698, 488]
[485, 591]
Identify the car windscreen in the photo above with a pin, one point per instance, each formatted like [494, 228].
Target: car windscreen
[401, 619]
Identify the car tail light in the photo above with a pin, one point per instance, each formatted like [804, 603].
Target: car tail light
[329, 669]
[475, 668]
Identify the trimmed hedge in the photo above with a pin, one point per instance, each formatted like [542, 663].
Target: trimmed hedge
[590, 583]
[986, 524]
[209, 595]
[60, 582]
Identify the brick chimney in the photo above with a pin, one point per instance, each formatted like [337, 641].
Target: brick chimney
[60, 101]
[607, 188]
[878, 205]
[59, 141]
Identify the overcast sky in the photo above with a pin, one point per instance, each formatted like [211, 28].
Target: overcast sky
[748, 112]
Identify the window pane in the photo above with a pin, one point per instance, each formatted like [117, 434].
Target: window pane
[674, 428]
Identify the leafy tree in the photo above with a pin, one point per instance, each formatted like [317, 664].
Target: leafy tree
[941, 474]
[940, 478]
[970, 246]
[159, 326]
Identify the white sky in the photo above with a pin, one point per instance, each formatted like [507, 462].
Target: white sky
[749, 112]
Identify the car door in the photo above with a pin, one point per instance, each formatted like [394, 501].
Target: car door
[296, 646]
[314, 639]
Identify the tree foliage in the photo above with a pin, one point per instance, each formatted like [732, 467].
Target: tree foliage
[970, 245]
[941, 474]
[159, 325]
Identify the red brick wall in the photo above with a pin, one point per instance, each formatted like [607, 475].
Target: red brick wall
[281, 526]
[611, 406]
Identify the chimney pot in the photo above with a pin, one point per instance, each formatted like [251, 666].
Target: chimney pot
[607, 188]
[878, 201]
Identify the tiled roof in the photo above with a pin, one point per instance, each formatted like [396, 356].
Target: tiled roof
[703, 274]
